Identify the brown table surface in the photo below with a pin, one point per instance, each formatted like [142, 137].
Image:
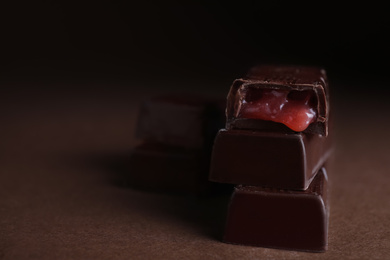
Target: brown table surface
[59, 201]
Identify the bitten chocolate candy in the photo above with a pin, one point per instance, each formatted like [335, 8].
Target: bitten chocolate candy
[280, 98]
[284, 219]
[268, 159]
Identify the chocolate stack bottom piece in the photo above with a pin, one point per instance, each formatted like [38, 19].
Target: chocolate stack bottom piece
[284, 219]
[176, 135]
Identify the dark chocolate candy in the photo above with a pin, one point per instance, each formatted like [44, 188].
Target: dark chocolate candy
[280, 78]
[284, 219]
[268, 159]
[185, 121]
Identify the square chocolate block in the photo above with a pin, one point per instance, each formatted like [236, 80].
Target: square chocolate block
[268, 159]
[283, 219]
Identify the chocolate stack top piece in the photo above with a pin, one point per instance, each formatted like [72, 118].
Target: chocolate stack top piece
[299, 82]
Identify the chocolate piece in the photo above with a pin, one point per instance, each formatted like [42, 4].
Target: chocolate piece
[177, 134]
[275, 160]
[284, 219]
[290, 80]
[185, 121]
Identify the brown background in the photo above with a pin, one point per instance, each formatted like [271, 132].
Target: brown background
[74, 74]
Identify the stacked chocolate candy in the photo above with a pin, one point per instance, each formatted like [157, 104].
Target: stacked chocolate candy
[176, 134]
[274, 149]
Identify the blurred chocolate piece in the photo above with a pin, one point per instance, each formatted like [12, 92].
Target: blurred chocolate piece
[275, 160]
[295, 83]
[176, 135]
[186, 121]
[284, 219]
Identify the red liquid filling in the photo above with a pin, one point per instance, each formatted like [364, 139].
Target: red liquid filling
[295, 109]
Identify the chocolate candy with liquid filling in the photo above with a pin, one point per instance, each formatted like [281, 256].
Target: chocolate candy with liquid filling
[268, 159]
[283, 219]
[280, 99]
